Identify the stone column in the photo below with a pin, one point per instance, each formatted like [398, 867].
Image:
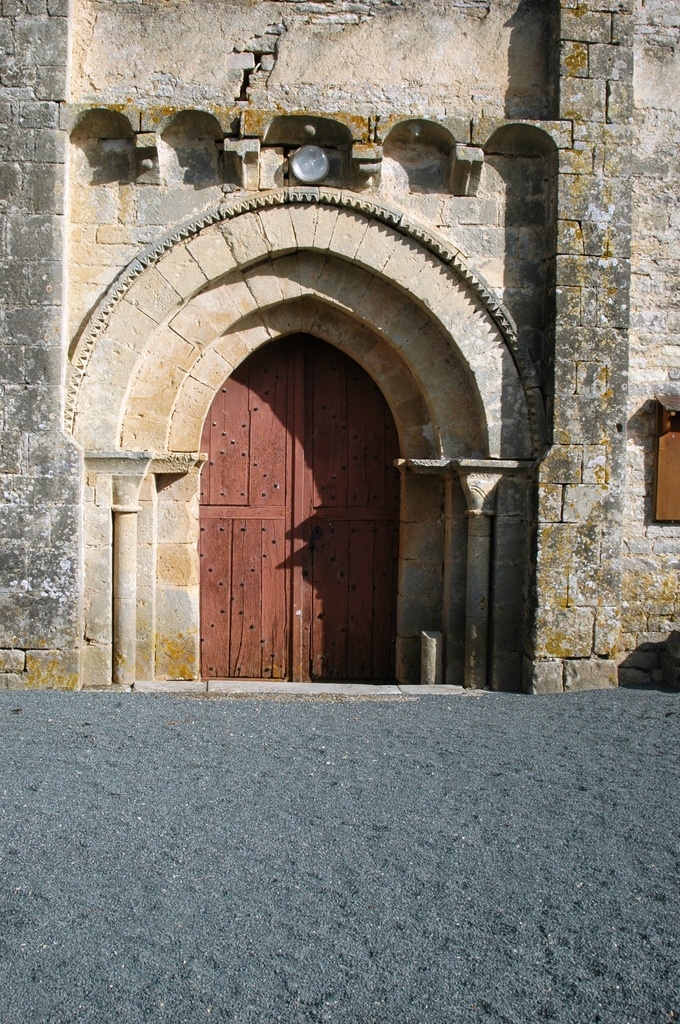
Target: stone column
[127, 471]
[479, 488]
[125, 509]
[479, 479]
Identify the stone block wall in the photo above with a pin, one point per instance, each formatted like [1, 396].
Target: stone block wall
[651, 552]
[39, 467]
[574, 105]
[456, 63]
[582, 480]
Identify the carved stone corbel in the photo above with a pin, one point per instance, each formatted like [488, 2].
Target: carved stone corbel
[242, 163]
[466, 170]
[147, 169]
[366, 165]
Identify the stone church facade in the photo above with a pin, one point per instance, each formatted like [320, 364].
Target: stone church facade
[487, 225]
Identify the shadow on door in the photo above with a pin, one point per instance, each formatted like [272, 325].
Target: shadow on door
[299, 520]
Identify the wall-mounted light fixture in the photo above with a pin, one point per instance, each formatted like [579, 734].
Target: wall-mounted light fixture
[310, 164]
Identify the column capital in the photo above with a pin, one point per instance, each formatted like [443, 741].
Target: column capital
[479, 479]
[127, 470]
[176, 462]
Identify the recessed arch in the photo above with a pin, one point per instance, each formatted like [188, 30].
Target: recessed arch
[520, 139]
[181, 299]
[417, 156]
[413, 417]
[104, 142]
[202, 345]
[188, 149]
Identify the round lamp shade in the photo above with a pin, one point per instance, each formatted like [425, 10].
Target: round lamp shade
[310, 164]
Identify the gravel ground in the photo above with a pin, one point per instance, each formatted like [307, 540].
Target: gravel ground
[435, 859]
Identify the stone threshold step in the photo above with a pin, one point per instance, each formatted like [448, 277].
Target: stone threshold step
[246, 686]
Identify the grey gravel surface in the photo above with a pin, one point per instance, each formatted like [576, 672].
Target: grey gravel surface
[436, 859]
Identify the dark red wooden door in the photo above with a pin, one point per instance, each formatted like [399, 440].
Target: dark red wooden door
[299, 520]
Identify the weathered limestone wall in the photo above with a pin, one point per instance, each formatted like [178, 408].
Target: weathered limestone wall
[39, 476]
[169, 108]
[372, 63]
[651, 594]
[441, 58]
[581, 482]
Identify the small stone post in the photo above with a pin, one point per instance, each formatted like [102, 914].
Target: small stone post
[431, 657]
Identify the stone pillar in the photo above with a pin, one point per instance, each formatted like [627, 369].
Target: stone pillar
[176, 640]
[455, 575]
[125, 508]
[127, 470]
[431, 657]
[479, 480]
[39, 466]
[421, 554]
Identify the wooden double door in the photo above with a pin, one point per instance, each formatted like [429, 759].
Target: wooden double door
[299, 520]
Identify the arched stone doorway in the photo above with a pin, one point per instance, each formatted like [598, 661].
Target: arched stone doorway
[459, 383]
[299, 520]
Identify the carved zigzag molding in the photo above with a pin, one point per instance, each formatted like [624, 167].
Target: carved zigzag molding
[381, 212]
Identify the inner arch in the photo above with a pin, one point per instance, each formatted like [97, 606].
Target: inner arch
[434, 400]
[137, 371]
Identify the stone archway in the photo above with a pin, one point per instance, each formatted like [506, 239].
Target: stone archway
[460, 386]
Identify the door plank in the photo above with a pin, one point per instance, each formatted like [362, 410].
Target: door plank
[331, 588]
[242, 512]
[328, 381]
[275, 627]
[215, 561]
[229, 439]
[360, 600]
[385, 544]
[245, 649]
[366, 447]
[352, 512]
[301, 610]
[268, 414]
